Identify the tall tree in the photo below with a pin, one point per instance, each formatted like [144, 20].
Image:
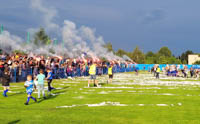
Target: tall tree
[138, 56]
[41, 38]
[109, 47]
[162, 60]
[150, 58]
[150, 54]
[184, 56]
[121, 52]
[165, 51]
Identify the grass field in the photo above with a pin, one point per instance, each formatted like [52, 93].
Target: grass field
[130, 99]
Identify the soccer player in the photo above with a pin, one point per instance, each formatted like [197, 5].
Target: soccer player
[110, 74]
[40, 79]
[5, 79]
[158, 72]
[92, 72]
[29, 85]
[49, 79]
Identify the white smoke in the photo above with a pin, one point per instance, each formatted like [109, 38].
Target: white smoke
[125, 57]
[48, 14]
[83, 39]
[75, 41]
[10, 42]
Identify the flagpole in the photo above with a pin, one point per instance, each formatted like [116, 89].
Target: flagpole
[28, 38]
[55, 42]
[1, 31]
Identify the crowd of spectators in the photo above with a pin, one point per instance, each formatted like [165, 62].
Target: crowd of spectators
[22, 65]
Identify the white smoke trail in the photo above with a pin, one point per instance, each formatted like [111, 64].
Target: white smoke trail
[125, 57]
[10, 42]
[75, 41]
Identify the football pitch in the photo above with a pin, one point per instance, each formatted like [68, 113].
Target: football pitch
[130, 99]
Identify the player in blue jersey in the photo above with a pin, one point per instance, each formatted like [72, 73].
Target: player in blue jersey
[29, 85]
[49, 79]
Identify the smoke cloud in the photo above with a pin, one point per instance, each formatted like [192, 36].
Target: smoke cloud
[10, 42]
[75, 40]
[48, 14]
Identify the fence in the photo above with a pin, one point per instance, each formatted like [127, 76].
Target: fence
[18, 75]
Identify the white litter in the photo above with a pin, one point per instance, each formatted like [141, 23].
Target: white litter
[79, 97]
[96, 105]
[161, 104]
[180, 104]
[118, 104]
[103, 92]
[59, 88]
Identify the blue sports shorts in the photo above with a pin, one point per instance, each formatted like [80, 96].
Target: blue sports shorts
[29, 93]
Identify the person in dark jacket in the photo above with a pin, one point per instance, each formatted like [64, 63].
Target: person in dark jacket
[5, 80]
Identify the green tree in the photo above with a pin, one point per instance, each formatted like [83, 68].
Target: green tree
[150, 54]
[197, 63]
[150, 58]
[41, 38]
[184, 56]
[165, 51]
[173, 60]
[121, 52]
[138, 56]
[109, 47]
[162, 60]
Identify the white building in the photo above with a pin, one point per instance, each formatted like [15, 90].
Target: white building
[193, 58]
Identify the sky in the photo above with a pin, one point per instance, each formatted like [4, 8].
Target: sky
[149, 24]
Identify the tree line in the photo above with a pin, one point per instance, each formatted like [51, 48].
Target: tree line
[162, 56]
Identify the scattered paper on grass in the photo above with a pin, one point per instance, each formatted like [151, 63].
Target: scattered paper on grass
[161, 104]
[85, 92]
[132, 91]
[55, 94]
[14, 92]
[115, 91]
[119, 104]
[79, 97]
[111, 87]
[59, 88]
[91, 90]
[167, 94]
[180, 104]
[96, 105]
[103, 92]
